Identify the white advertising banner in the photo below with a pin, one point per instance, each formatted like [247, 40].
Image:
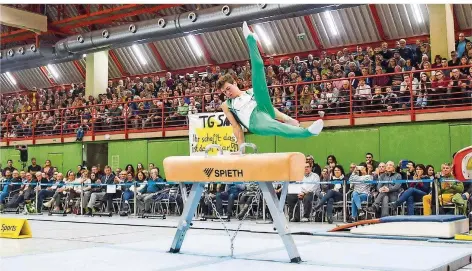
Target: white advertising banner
[210, 128]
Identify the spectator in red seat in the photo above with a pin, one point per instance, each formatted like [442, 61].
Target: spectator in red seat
[457, 83]
[388, 190]
[363, 95]
[377, 103]
[440, 88]
[416, 191]
[380, 81]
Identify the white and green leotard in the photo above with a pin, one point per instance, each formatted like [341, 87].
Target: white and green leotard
[254, 110]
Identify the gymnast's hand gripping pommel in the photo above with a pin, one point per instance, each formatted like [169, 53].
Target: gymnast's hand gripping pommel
[253, 108]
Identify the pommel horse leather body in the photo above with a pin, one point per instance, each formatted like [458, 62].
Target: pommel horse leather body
[273, 167]
[262, 168]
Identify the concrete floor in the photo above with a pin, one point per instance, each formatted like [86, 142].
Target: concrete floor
[78, 243]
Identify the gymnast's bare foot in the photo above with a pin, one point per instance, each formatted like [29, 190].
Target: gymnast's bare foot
[316, 127]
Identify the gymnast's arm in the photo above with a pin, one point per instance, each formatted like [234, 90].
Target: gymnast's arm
[237, 130]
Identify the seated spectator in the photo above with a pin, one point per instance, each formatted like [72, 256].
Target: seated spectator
[334, 194]
[388, 190]
[448, 188]
[101, 194]
[415, 192]
[231, 193]
[208, 197]
[130, 189]
[361, 189]
[246, 199]
[306, 193]
[151, 189]
[12, 187]
[55, 182]
[26, 192]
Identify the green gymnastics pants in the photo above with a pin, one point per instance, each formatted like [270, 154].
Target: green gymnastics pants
[262, 120]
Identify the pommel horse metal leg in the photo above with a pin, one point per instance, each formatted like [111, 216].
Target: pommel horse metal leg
[186, 218]
[280, 220]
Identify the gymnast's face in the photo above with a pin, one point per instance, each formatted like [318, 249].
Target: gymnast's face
[230, 90]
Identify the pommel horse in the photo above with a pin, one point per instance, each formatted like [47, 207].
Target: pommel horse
[262, 168]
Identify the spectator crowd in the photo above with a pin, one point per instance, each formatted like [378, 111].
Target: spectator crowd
[371, 188]
[314, 86]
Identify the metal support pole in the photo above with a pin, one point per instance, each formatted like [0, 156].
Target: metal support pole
[186, 217]
[344, 202]
[280, 221]
[435, 181]
[283, 196]
[135, 196]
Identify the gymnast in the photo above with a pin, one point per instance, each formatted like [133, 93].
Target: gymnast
[253, 108]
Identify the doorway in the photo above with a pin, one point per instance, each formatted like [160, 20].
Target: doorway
[96, 154]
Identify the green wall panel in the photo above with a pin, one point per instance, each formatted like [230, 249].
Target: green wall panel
[265, 144]
[121, 153]
[351, 146]
[422, 143]
[159, 150]
[62, 156]
[461, 137]
[429, 143]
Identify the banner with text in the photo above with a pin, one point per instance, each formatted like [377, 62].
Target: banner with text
[210, 128]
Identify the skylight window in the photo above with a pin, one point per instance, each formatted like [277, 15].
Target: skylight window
[139, 54]
[263, 35]
[11, 78]
[331, 25]
[53, 71]
[195, 47]
[418, 14]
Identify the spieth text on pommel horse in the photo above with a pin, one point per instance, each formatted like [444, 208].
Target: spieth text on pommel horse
[262, 168]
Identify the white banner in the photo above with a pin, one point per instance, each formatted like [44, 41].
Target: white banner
[210, 128]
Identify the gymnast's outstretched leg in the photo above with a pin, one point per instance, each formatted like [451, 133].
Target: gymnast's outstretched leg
[260, 124]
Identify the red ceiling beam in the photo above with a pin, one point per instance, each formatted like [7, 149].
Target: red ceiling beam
[259, 46]
[313, 32]
[378, 22]
[117, 63]
[113, 18]
[206, 53]
[79, 68]
[45, 73]
[158, 56]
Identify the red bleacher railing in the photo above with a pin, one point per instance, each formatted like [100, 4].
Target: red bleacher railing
[308, 101]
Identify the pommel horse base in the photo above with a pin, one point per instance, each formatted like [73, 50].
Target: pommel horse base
[262, 168]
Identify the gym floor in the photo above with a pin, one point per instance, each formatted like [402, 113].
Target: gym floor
[121, 243]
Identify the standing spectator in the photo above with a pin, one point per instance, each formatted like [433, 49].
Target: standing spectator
[33, 168]
[9, 167]
[461, 45]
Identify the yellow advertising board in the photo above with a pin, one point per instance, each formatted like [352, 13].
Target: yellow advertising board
[14, 228]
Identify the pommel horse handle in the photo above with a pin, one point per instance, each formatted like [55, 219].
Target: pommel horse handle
[242, 147]
[211, 146]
